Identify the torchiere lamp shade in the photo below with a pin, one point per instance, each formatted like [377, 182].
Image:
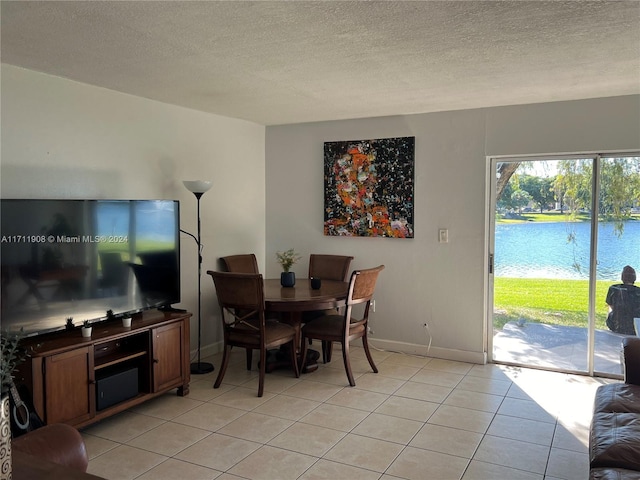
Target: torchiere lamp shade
[197, 186]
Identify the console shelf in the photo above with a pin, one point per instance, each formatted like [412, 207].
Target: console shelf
[80, 381]
[116, 359]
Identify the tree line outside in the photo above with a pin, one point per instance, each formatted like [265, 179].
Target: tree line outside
[569, 190]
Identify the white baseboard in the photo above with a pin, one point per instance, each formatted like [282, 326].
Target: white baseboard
[423, 350]
[390, 346]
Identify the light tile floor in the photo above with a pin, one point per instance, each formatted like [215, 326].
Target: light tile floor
[417, 418]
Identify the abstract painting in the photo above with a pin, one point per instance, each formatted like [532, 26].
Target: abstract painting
[368, 187]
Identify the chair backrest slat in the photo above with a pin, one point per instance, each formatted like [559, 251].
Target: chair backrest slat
[329, 267]
[239, 293]
[362, 285]
[244, 263]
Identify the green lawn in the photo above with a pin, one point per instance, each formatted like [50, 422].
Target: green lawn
[551, 301]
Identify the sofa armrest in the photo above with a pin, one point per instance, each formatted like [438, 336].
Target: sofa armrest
[59, 443]
[631, 356]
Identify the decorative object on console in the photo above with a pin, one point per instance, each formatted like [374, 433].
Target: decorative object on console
[86, 329]
[368, 187]
[12, 356]
[198, 188]
[69, 325]
[126, 322]
[287, 259]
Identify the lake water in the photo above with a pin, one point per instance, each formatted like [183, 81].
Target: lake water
[541, 250]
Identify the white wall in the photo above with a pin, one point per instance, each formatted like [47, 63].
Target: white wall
[442, 284]
[62, 139]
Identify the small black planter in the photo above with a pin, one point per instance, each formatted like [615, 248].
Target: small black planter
[288, 279]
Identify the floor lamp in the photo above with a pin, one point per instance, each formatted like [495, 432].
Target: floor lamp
[198, 188]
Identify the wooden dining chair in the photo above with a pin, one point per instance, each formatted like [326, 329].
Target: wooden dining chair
[326, 267]
[243, 263]
[345, 328]
[242, 308]
[329, 267]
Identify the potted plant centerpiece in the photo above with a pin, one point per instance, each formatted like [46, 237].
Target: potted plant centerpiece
[287, 259]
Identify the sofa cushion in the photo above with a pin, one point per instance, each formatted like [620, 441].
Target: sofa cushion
[617, 398]
[613, 474]
[58, 443]
[614, 441]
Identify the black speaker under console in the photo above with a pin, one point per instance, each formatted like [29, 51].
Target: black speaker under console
[116, 388]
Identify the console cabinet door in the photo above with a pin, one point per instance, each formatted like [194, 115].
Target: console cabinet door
[168, 353]
[69, 386]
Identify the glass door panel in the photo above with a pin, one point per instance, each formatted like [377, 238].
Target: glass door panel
[618, 246]
[542, 238]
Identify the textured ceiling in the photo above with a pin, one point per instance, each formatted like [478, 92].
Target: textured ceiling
[294, 61]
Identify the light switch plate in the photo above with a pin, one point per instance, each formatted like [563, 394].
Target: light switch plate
[443, 235]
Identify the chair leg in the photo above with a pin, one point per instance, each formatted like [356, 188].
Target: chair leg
[223, 366]
[303, 353]
[329, 350]
[249, 358]
[263, 369]
[365, 344]
[326, 351]
[294, 359]
[347, 363]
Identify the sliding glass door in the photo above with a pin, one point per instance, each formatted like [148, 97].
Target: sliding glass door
[562, 229]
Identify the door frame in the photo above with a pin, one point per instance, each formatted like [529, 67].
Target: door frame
[491, 183]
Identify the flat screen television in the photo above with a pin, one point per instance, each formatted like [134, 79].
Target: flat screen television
[82, 258]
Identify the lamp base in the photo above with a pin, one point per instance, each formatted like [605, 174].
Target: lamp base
[199, 368]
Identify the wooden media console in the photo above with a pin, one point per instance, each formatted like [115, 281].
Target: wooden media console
[80, 381]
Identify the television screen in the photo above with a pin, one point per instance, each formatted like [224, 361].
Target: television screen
[81, 258]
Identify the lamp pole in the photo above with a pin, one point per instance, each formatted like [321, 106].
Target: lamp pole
[198, 188]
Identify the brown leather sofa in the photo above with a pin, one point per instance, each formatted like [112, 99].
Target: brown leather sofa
[614, 441]
[57, 443]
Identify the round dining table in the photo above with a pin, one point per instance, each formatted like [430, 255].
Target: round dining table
[290, 302]
[301, 297]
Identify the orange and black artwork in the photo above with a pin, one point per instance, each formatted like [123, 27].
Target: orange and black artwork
[368, 187]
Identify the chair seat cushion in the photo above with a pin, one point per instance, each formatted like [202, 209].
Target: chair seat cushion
[330, 326]
[275, 333]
